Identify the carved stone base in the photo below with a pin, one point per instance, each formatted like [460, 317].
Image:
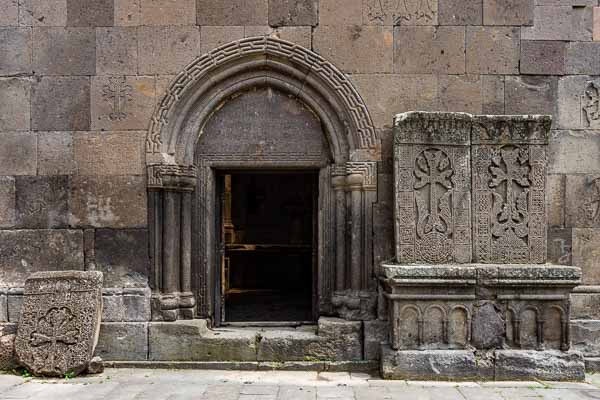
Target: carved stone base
[355, 305]
[173, 306]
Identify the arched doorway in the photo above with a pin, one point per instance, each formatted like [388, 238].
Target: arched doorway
[194, 138]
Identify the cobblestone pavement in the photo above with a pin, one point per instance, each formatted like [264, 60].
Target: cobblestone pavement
[140, 384]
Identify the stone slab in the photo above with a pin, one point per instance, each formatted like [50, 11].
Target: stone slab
[583, 201]
[493, 50]
[555, 199]
[3, 305]
[168, 12]
[55, 153]
[52, 96]
[126, 304]
[42, 12]
[340, 12]
[123, 341]
[7, 347]
[577, 96]
[493, 93]
[232, 12]
[64, 51]
[375, 333]
[109, 153]
[7, 202]
[508, 12]
[559, 246]
[543, 57]
[215, 36]
[460, 12]
[583, 58]
[127, 13]
[122, 255]
[585, 306]
[90, 12]
[14, 303]
[596, 24]
[574, 152]
[41, 201]
[531, 94]
[293, 12]
[586, 253]
[15, 104]
[409, 12]
[15, 45]
[28, 251]
[461, 93]
[116, 51]
[10, 14]
[166, 49]
[60, 321]
[550, 23]
[301, 35]
[543, 365]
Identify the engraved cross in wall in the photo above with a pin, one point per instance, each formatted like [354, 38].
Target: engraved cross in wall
[118, 93]
[433, 169]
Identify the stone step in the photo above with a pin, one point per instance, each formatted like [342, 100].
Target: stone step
[318, 366]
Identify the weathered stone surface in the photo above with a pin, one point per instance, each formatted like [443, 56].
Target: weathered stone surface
[61, 103]
[90, 12]
[122, 255]
[583, 201]
[108, 201]
[543, 57]
[550, 23]
[410, 12]
[493, 94]
[493, 50]
[581, 22]
[596, 24]
[42, 12]
[531, 95]
[95, 366]
[60, 321]
[166, 50]
[123, 341]
[356, 49]
[113, 153]
[127, 13]
[559, 246]
[15, 302]
[122, 102]
[583, 58]
[544, 365]
[168, 12]
[574, 152]
[340, 12]
[555, 200]
[585, 337]
[375, 334]
[55, 153]
[460, 93]
[129, 304]
[7, 347]
[293, 12]
[18, 153]
[10, 13]
[7, 203]
[15, 104]
[64, 51]
[116, 51]
[28, 251]
[232, 12]
[427, 49]
[41, 201]
[3, 305]
[15, 46]
[586, 253]
[508, 12]
[460, 12]
[488, 327]
[301, 35]
[585, 306]
[215, 36]
[578, 97]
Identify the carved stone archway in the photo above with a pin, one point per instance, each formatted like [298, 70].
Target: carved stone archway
[181, 182]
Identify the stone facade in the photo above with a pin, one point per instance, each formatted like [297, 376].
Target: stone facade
[97, 96]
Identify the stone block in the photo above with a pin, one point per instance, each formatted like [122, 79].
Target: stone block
[136, 303]
[42, 12]
[7, 202]
[493, 50]
[293, 12]
[409, 12]
[531, 94]
[14, 302]
[55, 153]
[581, 23]
[574, 152]
[258, 30]
[111, 153]
[28, 251]
[61, 103]
[543, 57]
[550, 23]
[555, 200]
[168, 12]
[460, 93]
[585, 337]
[301, 35]
[90, 12]
[492, 94]
[3, 306]
[215, 36]
[108, 201]
[7, 351]
[429, 50]
[60, 321]
[113, 309]
[460, 12]
[583, 58]
[356, 49]
[122, 255]
[18, 153]
[375, 334]
[596, 24]
[560, 243]
[127, 12]
[232, 12]
[64, 51]
[543, 365]
[340, 12]
[122, 102]
[577, 99]
[508, 12]
[583, 201]
[116, 51]
[585, 306]
[488, 329]
[123, 341]
[586, 254]
[10, 13]
[41, 201]
[15, 104]
[166, 50]
[15, 47]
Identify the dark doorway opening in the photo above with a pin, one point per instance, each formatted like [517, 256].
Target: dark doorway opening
[268, 251]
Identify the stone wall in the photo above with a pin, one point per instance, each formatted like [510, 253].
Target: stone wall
[79, 80]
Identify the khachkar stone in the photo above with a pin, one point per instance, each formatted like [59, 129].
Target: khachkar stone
[432, 188]
[60, 321]
[509, 178]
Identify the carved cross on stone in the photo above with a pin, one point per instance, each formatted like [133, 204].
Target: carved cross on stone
[591, 104]
[119, 94]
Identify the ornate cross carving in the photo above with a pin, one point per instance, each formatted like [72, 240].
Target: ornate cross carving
[119, 94]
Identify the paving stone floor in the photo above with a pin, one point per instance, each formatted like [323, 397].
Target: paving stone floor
[140, 384]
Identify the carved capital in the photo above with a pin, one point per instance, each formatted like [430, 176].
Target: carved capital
[355, 305]
[172, 177]
[361, 175]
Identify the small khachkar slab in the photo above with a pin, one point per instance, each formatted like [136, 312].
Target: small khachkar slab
[59, 322]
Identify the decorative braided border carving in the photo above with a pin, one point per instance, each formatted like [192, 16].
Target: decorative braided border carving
[295, 54]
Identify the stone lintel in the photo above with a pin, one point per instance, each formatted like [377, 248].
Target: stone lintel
[441, 128]
[172, 177]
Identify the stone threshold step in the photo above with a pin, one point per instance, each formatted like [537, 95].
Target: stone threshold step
[318, 366]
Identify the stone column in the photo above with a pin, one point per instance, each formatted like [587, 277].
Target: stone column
[170, 213]
[339, 187]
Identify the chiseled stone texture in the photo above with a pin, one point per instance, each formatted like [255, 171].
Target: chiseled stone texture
[7, 203]
[543, 57]
[10, 13]
[407, 12]
[429, 50]
[28, 251]
[530, 94]
[583, 201]
[493, 50]
[583, 58]
[356, 49]
[508, 12]
[586, 254]
[116, 51]
[64, 51]
[61, 103]
[108, 201]
[550, 23]
[18, 153]
[15, 47]
[574, 152]
[90, 12]
[122, 255]
[232, 12]
[15, 104]
[42, 12]
[545, 365]
[127, 12]
[60, 321]
[166, 49]
[55, 153]
[41, 201]
[293, 12]
[460, 12]
[168, 12]
[123, 341]
[109, 153]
